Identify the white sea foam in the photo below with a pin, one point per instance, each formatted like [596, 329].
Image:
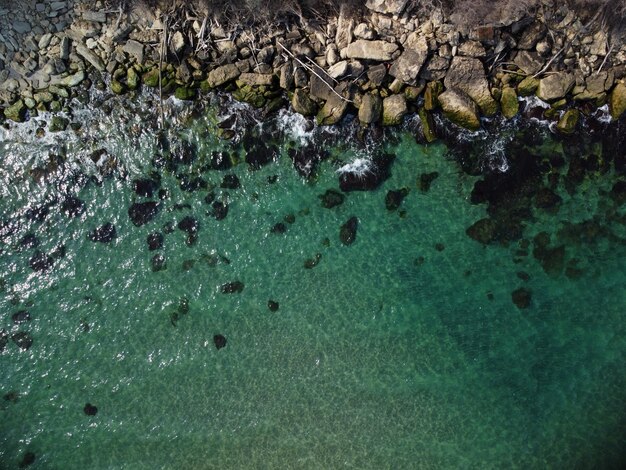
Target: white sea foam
[295, 126]
[359, 166]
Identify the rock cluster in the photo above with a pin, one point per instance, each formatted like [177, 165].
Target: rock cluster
[381, 66]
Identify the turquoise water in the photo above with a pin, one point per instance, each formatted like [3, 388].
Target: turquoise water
[402, 350]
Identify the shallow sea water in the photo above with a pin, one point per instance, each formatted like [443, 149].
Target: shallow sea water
[403, 350]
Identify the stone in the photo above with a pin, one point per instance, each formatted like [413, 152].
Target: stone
[545, 198]
[44, 41]
[529, 62]
[370, 108]
[302, 103]
[534, 33]
[272, 305]
[72, 206]
[58, 124]
[555, 86]
[158, 263]
[347, 233]
[365, 174]
[460, 109]
[509, 103]
[222, 75]
[394, 110]
[90, 57]
[40, 261]
[103, 234]
[16, 112]
[371, 50]
[177, 43]
[189, 224]
[471, 49]
[364, 31]
[21, 27]
[333, 110]
[184, 93]
[521, 298]
[117, 87]
[286, 79]
[527, 86]
[431, 95]
[141, 213]
[376, 74]
[339, 70]
[95, 16]
[155, 241]
[428, 125]
[256, 79]
[345, 26]
[22, 340]
[407, 67]
[151, 78]
[235, 287]
[331, 198]
[230, 181]
[90, 410]
[483, 231]
[426, 180]
[65, 48]
[134, 49]
[219, 341]
[468, 75]
[22, 316]
[394, 198]
[617, 101]
[220, 210]
[312, 262]
[389, 7]
[567, 122]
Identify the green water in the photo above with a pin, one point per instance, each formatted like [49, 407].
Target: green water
[403, 350]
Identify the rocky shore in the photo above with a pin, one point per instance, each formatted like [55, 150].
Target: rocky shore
[380, 64]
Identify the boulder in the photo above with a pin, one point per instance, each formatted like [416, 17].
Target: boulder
[90, 57]
[370, 50]
[234, 287]
[331, 198]
[103, 234]
[509, 103]
[134, 49]
[471, 49]
[431, 95]
[394, 110]
[339, 70]
[556, 86]
[370, 109]
[16, 112]
[407, 66]
[332, 111]
[256, 79]
[364, 31]
[347, 233]
[534, 33]
[567, 122]
[345, 26]
[468, 75]
[58, 124]
[529, 62]
[389, 7]
[222, 75]
[428, 125]
[617, 101]
[141, 213]
[460, 109]
[527, 86]
[219, 341]
[394, 198]
[302, 104]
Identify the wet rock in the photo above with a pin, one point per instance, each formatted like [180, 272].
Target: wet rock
[617, 101]
[234, 287]
[483, 231]
[426, 180]
[568, 121]
[145, 187]
[221, 161]
[440, 247]
[155, 241]
[22, 340]
[305, 160]
[521, 297]
[103, 234]
[230, 182]
[190, 184]
[527, 86]
[279, 228]
[4, 339]
[28, 241]
[219, 341]
[90, 410]
[312, 262]
[618, 192]
[209, 198]
[72, 206]
[272, 305]
[12, 396]
[290, 218]
[365, 176]
[260, 155]
[347, 233]
[40, 261]
[37, 214]
[545, 198]
[302, 103]
[189, 224]
[331, 198]
[509, 103]
[27, 460]
[394, 198]
[141, 213]
[460, 109]
[552, 259]
[169, 228]
[188, 264]
[183, 153]
[158, 263]
[220, 210]
[408, 65]
[524, 276]
[23, 316]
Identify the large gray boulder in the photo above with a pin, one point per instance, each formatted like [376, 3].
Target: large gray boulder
[390, 7]
[556, 86]
[222, 74]
[408, 65]
[370, 109]
[345, 27]
[371, 50]
[460, 109]
[302, 103]
[334, 108]
[394, 110]
[468, 75]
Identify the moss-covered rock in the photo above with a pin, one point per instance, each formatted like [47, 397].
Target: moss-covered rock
[617, 101]
[460, 109]
[302, 103]
[249, 95]
[185, 93]
[59, 91]
[509, 103]
[394, 110]
[332, 111]
[16, 112]
[58, 124]
[30, 103]
[151, 78]
[43, 97]
[433, 90]
[527, 86]
[567, 122]
[117, 87]
[428, 125]
[132, 79]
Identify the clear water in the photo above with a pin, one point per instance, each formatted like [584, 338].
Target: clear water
[403, 350]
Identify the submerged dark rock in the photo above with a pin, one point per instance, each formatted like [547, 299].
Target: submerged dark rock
[230, 182]
[103, 234]
[305, 160]
[279, 228]
[312, 262]
[426, 179]
[72, 206]
[183, 153]
[27, 460]
[347, 233]
[190, 184]
[366, 176]
[260, 155]
[22, 339]
[145, 187]
[234, 287]
[28, 241]
[547, 199]
[23, 316]
[141, 213]
[332, 198]
[220, 161]
[90, 410]
[189, 224]
[158, 263]
[12, 396]
[4, 339]
[219, 341]
[40, 261]
[272, 305]
[220, 210]
[394, 198]
[521, 297]
[155, 241]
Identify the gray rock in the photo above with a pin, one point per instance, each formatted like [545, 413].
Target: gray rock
[370, 109]
[471, 49]
[334, 108]
[16, 112]
[95, 16]
[266, 55]
[56, 6]
[556, 86]
[408, 65]
[529, 62]
[364, 31]
[394, 110]
[376, 74]
[320, 84]
[532, 35]
[371, 50]
[339, 70]
[435, 68]
[460, 109]
[345, 25]
[90, 57]
[468, 75]
[257, 79]
[302, 103]
[73, 80]
[286, 76]
[21, 27]
[65, 48]
[178, 42]
[390, 7]
[44, 41]
[134, 49]
[222, 74]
